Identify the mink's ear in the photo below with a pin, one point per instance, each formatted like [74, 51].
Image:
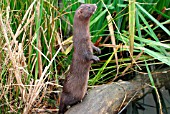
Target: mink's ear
[80, 10]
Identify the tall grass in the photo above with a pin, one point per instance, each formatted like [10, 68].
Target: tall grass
[36, 46]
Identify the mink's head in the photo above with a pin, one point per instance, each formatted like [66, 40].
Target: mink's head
[85, 11]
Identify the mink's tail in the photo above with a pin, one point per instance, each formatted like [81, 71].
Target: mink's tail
[63, 106]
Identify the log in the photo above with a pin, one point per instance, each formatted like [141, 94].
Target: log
[112, 98]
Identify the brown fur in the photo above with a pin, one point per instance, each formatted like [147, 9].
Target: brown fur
[75, 84]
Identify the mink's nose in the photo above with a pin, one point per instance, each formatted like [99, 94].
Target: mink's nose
[95, 7]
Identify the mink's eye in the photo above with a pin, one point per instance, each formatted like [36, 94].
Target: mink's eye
[89, 8]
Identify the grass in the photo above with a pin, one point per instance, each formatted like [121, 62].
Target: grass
[36, 46]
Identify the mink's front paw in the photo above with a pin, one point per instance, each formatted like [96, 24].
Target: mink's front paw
[98, 50]
[95, 59]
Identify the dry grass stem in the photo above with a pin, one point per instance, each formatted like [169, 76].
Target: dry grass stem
[131, 64]
[23, 20]
[110, 25]
[39, 86]
[39, 43]
[13, 59]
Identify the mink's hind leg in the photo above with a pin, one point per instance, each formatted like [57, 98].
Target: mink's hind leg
[66, 100]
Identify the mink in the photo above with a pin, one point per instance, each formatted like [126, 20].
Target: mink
[76, 81]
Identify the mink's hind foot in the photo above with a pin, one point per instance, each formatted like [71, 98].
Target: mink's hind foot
[67, 99]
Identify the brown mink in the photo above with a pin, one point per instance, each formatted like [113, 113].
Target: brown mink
[75, 84]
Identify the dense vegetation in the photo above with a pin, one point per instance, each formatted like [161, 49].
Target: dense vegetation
[36, 46]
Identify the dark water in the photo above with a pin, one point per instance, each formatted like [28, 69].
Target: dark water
[149, 100]
[148, 104]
